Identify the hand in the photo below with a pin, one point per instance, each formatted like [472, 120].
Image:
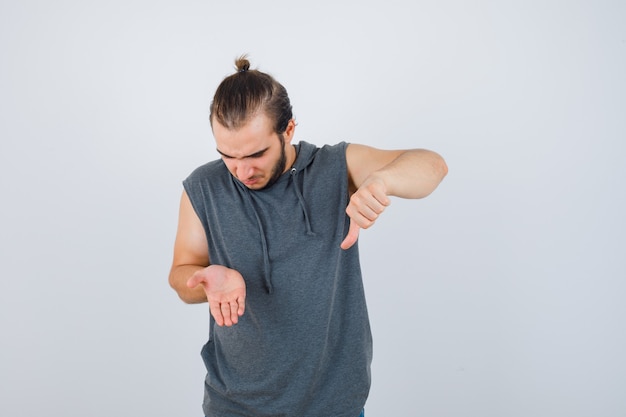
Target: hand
[366, 204]
[225, 291]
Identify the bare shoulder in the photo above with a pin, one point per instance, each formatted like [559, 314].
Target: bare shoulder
[362, 160]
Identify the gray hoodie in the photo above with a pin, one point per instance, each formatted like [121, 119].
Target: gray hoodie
[303, 348]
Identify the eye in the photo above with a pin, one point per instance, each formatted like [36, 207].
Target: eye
[257, 155]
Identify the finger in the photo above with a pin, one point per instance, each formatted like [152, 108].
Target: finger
[225, 308]
[216, 312]
[374, 206]
[352, 236]
[367, 215]
[379, 192]
[365, 209]
[234, 312]
[382, 199]
[242, 305]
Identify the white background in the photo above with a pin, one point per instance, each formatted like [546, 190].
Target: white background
[501, 294]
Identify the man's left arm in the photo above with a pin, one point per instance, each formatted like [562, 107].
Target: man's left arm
[376, 174]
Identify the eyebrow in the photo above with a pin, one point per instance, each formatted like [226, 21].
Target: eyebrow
[252, 155]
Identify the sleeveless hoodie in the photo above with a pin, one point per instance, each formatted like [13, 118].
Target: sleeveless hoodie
[303, 347]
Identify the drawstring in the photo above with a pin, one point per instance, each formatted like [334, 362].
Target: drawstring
[266, 256]
[309, 230]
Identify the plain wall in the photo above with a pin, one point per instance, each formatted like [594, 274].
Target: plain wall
[501, 294]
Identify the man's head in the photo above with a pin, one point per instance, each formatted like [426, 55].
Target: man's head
[249, 92]
[253, 126]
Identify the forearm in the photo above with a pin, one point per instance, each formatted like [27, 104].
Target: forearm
[179, 275]
[413, 174]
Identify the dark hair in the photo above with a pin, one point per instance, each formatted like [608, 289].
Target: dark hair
[246, 93]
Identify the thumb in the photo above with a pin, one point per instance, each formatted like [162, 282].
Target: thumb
[352, 236]
[195, 280]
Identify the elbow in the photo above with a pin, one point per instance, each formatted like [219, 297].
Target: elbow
[179, 287]
[442, 168]
[178, 282]
[183, 294]
[175, 287]
[439, 170]
[186, 299]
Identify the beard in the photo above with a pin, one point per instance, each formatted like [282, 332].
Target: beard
[279, 167]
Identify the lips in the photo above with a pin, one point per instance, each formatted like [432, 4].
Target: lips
[251, 181]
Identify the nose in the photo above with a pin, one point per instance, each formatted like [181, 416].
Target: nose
[244, 169]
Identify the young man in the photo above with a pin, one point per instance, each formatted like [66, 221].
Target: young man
[268, 236]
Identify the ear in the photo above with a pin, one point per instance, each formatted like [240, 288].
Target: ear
[290, 131]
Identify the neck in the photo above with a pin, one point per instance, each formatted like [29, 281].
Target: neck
[291, 156]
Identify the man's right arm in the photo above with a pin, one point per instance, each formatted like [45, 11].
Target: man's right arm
[195, 280]
[191, 253]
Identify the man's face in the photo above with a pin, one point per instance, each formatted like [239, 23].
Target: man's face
[254, 154]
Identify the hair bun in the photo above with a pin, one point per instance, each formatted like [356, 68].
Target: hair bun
[242, 64]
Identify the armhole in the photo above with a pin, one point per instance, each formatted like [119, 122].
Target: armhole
[350, 187]
[197, 209]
